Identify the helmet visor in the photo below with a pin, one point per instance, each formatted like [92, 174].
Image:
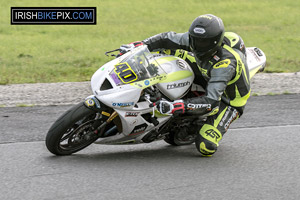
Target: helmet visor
[203, 44]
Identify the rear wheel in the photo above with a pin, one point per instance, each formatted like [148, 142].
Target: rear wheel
[180, 138]
[73, 131]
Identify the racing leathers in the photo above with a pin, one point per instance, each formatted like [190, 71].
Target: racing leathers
[225, 77]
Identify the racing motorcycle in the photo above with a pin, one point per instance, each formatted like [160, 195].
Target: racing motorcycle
[119, 110]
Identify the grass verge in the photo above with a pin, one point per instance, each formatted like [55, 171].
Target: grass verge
[60, 53]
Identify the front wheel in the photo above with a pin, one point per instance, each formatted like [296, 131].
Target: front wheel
[73, 131]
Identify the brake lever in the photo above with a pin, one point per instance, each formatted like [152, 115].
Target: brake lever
[147, 97]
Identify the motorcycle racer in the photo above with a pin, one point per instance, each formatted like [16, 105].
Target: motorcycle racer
[218, 60]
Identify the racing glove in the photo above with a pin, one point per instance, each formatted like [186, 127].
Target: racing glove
[128, 47]
[166, 107]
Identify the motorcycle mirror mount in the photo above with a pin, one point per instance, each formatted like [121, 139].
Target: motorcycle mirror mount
[109, 53]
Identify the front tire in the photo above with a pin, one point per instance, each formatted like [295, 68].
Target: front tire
[72, 131]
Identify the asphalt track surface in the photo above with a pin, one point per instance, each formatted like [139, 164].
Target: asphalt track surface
[258, 158]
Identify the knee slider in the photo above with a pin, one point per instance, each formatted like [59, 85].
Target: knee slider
[207, 141]
[205, 146]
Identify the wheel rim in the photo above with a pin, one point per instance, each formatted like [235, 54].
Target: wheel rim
[182, 139]
[79, 135]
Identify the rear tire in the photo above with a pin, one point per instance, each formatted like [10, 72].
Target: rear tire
[72, 131]
[178, 139]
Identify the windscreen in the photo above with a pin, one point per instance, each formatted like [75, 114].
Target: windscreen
[139, 65]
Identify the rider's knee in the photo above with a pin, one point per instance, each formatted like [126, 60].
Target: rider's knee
[205, 147]
[207, 141]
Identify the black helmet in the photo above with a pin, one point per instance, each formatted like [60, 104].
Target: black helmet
[206, 35]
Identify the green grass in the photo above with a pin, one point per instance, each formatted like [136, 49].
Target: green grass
[58, 53]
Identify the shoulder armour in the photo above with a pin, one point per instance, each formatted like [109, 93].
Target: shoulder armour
[234, 41]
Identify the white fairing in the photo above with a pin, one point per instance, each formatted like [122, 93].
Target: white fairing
[179, 81]
[256, 60]
[172, 75]
[117, 96]
[119, 84]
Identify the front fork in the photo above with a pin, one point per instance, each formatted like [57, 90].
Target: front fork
[93, 103]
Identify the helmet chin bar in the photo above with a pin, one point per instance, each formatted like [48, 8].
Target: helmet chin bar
[207, 54]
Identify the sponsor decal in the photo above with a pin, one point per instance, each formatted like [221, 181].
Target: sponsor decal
[199, 30]
[150, 80]
[138, 84]
[127, 104]
[139, 129]
[231, 119]
[255, 55]
[242, 46]
[258, 52]
[217, 58]
[192, 106]
[115, 78]
[181, 64]
[146, 82]
[225, 116]
[177, 85]
[205, 16]
[180, 53]
[90, 102]
[131, 114]
[222, 64]
[213, 134]
[156, 55]
[158, 78]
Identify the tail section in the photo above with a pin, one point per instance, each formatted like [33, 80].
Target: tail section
[256, 60]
